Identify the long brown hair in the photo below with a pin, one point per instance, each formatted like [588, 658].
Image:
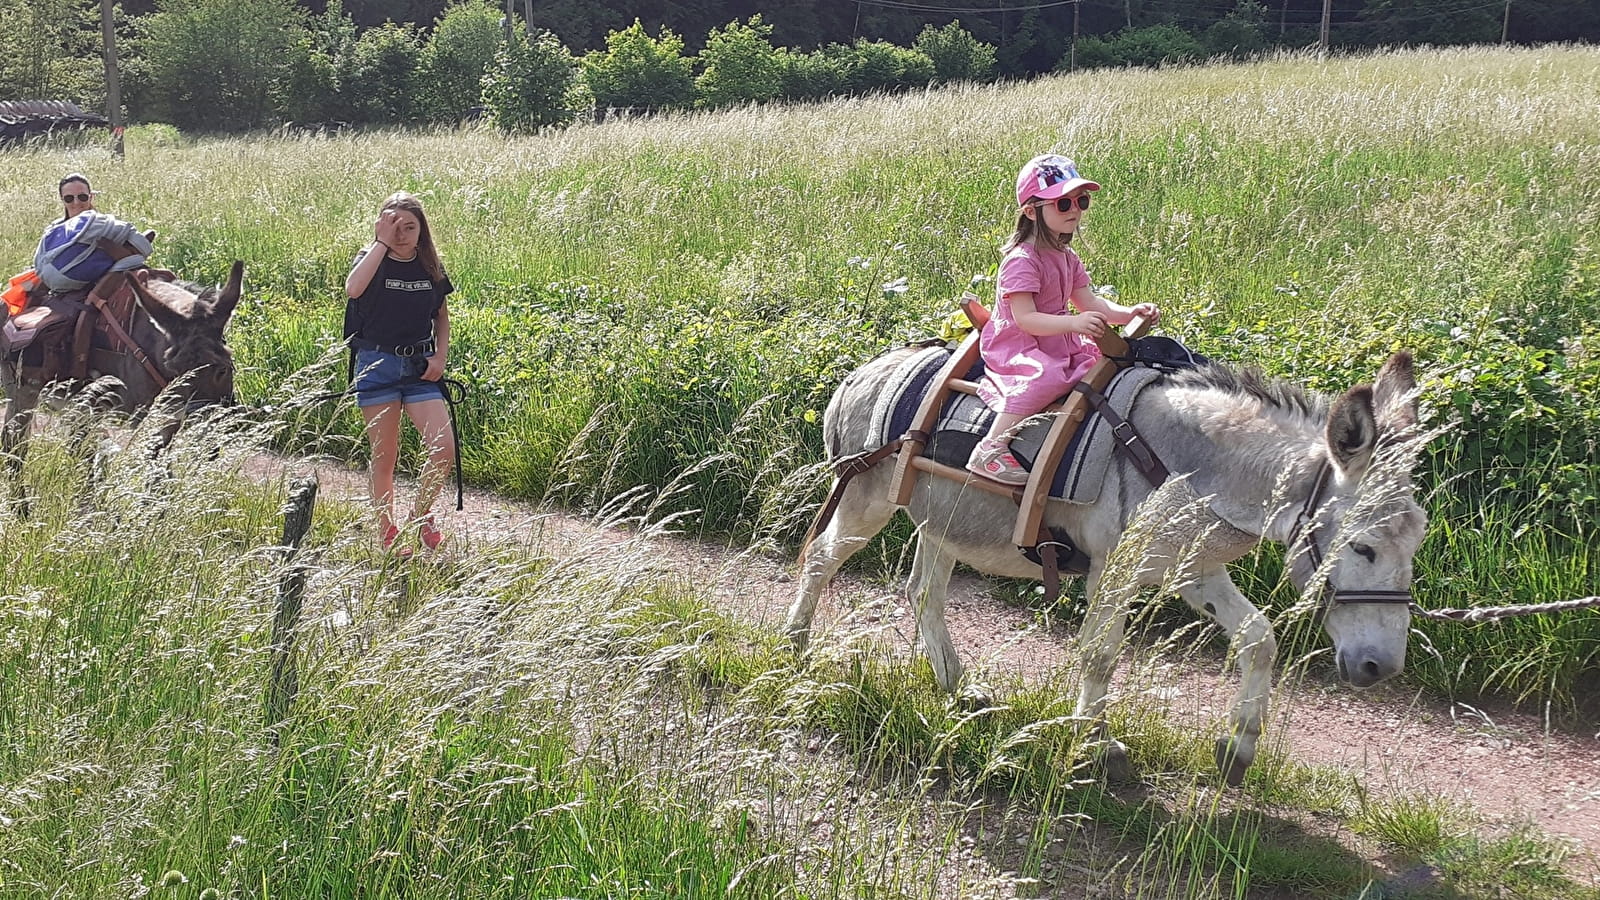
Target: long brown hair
[406, 201]
[1032, 228]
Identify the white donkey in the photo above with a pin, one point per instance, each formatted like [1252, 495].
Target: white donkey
[1251, 459]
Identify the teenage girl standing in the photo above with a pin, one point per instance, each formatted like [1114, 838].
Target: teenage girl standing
[398, 324]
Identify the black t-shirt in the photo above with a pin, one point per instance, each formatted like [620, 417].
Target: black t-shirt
[399, 305]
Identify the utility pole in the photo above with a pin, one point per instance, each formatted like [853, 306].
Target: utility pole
[511, 8]
[1072, 54]
[1505, 23]
[1327, 13]
[527, 15]
[108, 31]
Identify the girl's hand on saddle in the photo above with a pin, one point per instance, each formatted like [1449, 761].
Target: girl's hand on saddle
[1089, 324]
[435, 370]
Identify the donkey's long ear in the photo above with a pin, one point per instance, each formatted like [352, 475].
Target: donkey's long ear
[223, 306]
[170, 322]
[1353, 431]
[1395, 395]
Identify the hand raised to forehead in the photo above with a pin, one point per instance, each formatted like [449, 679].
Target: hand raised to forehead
[387, 227]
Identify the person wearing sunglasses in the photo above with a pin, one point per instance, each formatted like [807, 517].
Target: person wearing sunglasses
[1038, 341]
[76, 195]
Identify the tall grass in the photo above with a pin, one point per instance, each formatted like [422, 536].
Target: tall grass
[532, 719]
[675, 298]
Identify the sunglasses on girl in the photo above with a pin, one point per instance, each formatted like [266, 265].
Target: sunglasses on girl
[1064, 204]
[81, 198]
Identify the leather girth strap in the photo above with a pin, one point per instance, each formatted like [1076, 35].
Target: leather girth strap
[108, 316]
[1128, 440]
[847, 468]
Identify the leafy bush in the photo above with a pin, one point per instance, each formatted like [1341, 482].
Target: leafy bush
[956, 55]
[379, 78]
[881, 66]
[458, 53]
[739, 65]
[309, 90]
[533, 83]
[1240, 32]
[1156, 45]
[810, 76]
[640, 71]
[215, 64]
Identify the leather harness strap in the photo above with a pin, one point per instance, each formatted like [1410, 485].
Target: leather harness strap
[117, 331]
[1129, 441]
[844, 470]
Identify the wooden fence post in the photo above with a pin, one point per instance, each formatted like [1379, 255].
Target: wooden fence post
[284, 681]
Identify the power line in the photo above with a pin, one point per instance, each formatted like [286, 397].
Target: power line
[920, 7]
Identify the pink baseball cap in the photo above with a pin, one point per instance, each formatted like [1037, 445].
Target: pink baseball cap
[1048, 177]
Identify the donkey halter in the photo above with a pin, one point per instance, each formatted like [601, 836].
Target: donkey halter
[1306, 524]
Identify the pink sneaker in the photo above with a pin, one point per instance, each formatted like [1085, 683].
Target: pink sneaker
[391, 534]
[994, 461]
[431, 536]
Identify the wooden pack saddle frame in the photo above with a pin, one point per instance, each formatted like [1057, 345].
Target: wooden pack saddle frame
[1067, 416]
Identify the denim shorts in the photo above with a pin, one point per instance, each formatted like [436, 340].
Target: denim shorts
[384, 378]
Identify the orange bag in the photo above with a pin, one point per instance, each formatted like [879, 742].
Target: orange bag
[16, 293]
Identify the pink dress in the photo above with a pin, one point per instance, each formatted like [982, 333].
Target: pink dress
[1024, 373]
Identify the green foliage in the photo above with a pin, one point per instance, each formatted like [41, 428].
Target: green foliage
[738, 65]
[310, 89]
[459, 51]
[534, 83]
[381, 76]
[956, 54]
[811, 76]
[214, 65]
[1241, 32]
[881, 66]
[636, 70]
[1152, 46]
[50, 50]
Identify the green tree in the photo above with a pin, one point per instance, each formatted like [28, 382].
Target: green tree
[459, 51]
[956, 54]
[739, 65]
[310, 89]
[534, 83]
[217, 64]
[637, 70]
[1241, 31]
[379, 83]
[50, 50]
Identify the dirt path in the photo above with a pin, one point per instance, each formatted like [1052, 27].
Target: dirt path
[1506, 765]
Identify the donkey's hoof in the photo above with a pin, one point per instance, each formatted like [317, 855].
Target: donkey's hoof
[1232, 762]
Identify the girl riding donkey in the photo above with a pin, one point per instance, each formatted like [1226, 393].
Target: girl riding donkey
[1034, 348]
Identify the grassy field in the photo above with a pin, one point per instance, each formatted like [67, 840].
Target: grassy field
[663, 307]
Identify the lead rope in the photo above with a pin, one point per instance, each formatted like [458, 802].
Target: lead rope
[1491, 613]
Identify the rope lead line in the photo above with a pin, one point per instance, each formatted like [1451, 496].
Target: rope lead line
[1490, 613]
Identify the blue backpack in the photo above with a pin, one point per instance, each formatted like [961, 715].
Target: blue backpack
[69, 254]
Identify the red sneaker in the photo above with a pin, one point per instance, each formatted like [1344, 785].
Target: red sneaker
[431, 536]
[391, 534]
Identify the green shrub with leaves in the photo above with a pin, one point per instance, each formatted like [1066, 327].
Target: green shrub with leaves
[636, 70]
[1241, 32]
[458, 53]
[739, 65]
[214, 65]
[956, 55]
[380, 79]
[534, 83]
[881, 66]
[309, 91]
[811, 76]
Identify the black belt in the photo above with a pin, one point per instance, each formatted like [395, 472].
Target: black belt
[422, 348]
